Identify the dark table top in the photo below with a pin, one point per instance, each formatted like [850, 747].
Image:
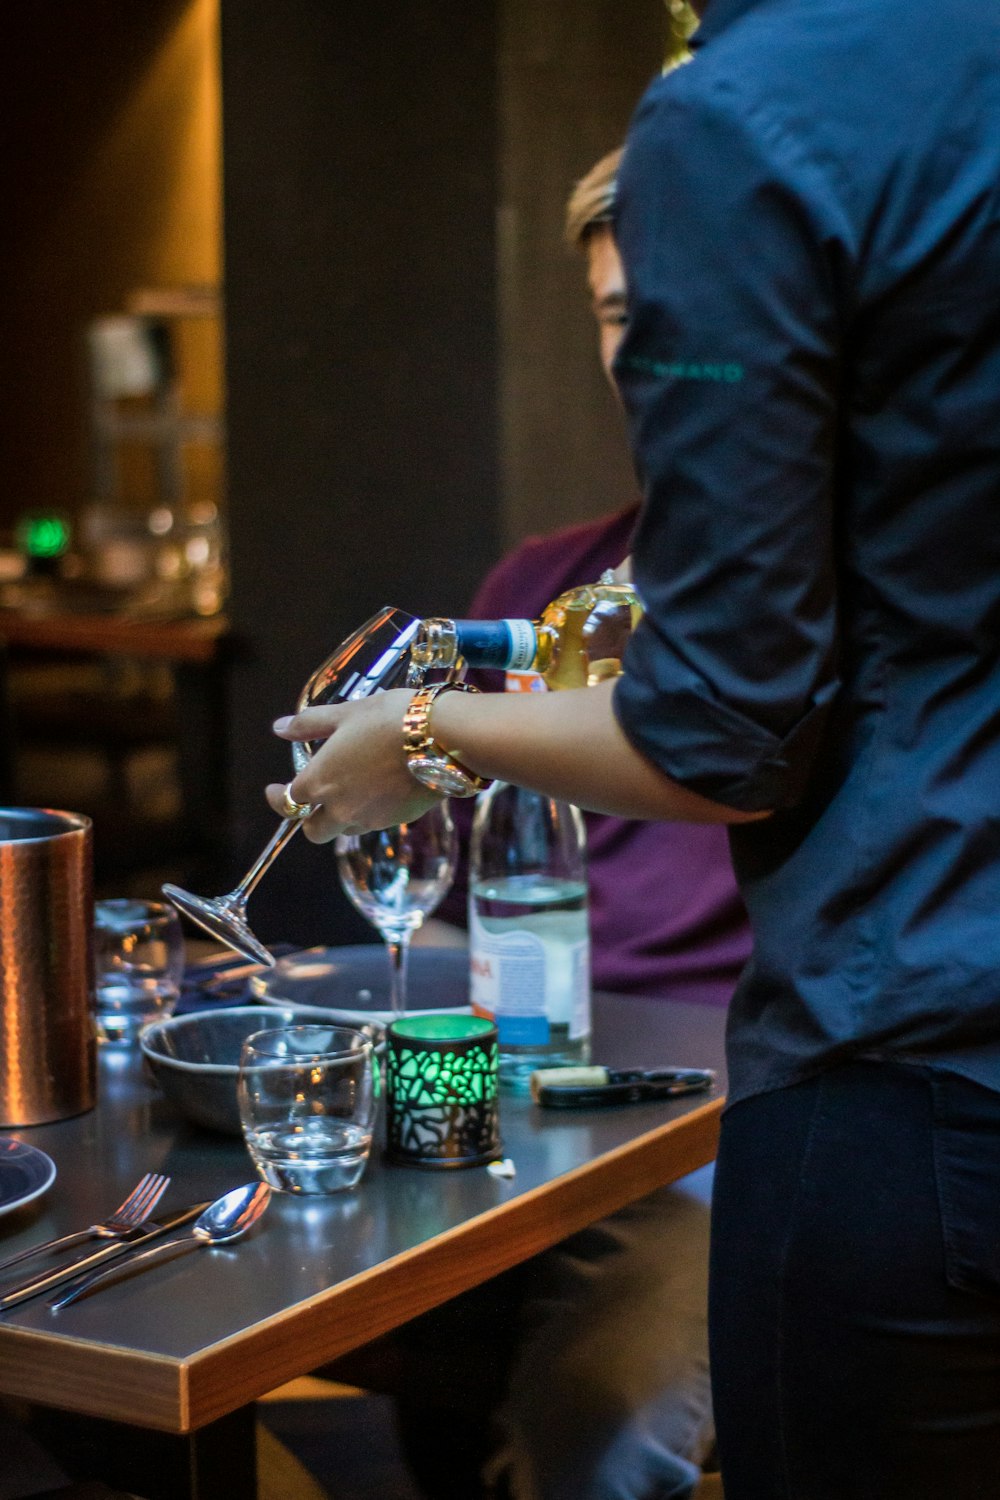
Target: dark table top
[194, 1338]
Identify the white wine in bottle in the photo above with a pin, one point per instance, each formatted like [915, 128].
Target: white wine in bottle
[578, 641]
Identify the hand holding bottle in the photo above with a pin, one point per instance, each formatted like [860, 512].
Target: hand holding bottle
[578, 641]
[568, 744]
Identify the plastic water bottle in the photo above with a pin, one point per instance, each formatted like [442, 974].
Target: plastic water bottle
[529, 931]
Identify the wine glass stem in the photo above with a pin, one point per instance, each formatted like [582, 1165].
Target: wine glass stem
[399, 953]
[285, 830]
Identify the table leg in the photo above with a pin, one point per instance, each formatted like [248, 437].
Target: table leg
[218, 1460]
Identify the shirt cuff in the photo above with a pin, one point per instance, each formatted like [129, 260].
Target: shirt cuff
[715, 749]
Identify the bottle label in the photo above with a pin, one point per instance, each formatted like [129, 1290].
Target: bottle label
[579, 1020]
[523, 645]
[497, 643]
[528, 984]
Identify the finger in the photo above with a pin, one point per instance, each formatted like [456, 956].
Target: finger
[308, 724]
[283, 799]
[321, 828]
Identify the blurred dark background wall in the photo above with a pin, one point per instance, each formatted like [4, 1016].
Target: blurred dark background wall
[570, 74]
[359, 192]
[411, 381]
[411, 368]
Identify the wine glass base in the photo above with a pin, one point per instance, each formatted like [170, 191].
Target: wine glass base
[221, 921]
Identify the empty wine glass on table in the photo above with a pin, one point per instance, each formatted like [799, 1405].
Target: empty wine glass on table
[396, 877]
[372, 659]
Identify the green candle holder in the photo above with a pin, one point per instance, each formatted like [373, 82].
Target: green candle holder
[442, 1091]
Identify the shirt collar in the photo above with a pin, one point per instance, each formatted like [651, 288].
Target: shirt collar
[718, 15]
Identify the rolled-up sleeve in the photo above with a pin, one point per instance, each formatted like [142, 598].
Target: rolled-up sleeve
[729, 373]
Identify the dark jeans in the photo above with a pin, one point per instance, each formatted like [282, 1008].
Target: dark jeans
[855, 1289]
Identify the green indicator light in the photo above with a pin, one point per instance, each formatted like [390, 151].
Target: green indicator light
[43, 536]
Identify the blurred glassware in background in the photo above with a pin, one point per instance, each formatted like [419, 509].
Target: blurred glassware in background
[164, 561]
[13, 563]
[116, 548]
[189, 557]
[155, 524]
[201, 544]
[129, 356]
[139, 962]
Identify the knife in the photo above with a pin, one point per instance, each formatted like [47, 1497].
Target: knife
[61, 1274]
[587, 1088]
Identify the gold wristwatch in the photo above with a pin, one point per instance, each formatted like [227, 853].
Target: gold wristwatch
[428, 761]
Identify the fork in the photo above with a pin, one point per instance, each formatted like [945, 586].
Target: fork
[223, 1221]
[136, 1208]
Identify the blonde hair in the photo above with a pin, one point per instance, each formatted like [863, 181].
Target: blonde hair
[592, 200]
[682, 23]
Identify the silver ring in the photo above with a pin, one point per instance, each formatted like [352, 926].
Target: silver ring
[290, 808]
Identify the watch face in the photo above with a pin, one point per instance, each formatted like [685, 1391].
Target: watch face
[441, 776]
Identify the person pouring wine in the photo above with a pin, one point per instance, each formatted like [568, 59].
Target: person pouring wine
[810, 367]
[613, 1318]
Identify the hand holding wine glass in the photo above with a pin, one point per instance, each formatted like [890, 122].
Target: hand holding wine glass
[372, 659]
[396, 877]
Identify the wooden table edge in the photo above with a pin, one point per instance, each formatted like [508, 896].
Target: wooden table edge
[181, 1395]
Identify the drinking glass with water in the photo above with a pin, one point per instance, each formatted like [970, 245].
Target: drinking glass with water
[139, 963]
[307, 1097]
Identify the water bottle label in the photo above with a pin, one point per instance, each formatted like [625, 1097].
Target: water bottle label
[522, 1031]
[527, 984]
[525, 682]
[579, 1020]
[508, 973]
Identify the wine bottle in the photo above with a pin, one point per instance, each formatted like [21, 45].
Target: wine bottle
[578, 641]
[529, 935]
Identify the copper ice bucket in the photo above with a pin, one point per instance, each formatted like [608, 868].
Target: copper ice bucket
[48, 1050]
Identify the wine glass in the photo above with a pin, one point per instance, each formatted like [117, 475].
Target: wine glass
[396, 877]
[373, 658]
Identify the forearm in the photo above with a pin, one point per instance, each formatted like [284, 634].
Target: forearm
[568, 745]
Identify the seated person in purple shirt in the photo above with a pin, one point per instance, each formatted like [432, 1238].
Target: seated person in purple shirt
[583, 1374]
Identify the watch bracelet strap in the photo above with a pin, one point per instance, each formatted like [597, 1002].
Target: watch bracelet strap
[418, 739]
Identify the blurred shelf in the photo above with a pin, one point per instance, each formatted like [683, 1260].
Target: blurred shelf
[188, 640]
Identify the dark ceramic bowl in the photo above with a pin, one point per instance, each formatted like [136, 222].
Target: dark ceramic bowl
[195, 1058]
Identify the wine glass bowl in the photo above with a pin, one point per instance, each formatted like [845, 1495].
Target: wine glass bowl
[372, 659]
[396, 877]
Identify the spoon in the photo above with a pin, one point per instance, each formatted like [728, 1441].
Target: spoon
[226, 1219]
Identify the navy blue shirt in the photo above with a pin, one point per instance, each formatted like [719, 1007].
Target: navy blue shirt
[809, 216]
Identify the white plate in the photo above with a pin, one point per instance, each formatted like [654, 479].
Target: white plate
[25, 1173]
[354, 981]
